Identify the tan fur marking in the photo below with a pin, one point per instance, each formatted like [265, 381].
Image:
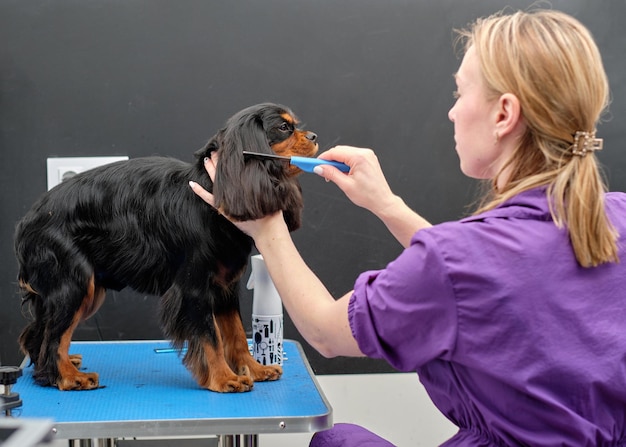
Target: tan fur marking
[288, 118]
[297, 144]
[27, 287]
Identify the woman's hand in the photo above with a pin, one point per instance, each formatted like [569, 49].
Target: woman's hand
[365, 185]
[210, 165]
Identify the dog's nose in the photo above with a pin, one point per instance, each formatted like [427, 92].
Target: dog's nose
[311, 136]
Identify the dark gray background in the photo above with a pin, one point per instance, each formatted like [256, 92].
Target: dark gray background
[143, 77]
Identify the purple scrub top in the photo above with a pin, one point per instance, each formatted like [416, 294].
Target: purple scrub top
[514, 342]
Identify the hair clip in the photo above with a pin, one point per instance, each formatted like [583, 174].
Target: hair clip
[586, 142]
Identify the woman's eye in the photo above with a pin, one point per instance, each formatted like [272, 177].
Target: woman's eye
[455, 94]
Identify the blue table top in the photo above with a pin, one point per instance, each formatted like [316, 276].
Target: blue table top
[152, 394]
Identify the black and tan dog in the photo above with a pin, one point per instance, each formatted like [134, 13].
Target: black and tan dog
[138, 224]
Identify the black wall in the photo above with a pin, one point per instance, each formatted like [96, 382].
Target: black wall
[142, 77]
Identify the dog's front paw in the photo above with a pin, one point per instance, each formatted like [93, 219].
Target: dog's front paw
[265, 373]
[231, 384]
[78, 381]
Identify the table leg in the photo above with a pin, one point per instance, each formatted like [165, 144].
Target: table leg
[226, 441]
[80, 442]
[250, 440]
[92, 442]
[238, 441]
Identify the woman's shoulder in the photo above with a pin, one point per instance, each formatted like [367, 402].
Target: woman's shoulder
[616, 198]
[518, 224]
[530, 205]
[615, 204]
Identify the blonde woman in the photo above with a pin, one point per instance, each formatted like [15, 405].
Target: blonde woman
[513, 318]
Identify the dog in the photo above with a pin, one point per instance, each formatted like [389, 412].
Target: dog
[138, 224]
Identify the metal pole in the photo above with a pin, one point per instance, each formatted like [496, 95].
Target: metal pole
[95, 442]
[228, 441]
[80, 443]
[250, 440]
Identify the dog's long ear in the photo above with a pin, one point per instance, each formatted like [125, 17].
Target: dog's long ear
[249, 188]
[213, 145]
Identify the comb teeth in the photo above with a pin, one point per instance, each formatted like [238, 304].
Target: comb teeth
[260, 155]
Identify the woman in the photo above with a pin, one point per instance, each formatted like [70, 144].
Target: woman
[514, 318]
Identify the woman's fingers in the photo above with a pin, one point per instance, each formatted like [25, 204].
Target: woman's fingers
[202, 193]
[210, 166]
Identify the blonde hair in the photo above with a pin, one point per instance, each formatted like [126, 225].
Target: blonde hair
[551, 63]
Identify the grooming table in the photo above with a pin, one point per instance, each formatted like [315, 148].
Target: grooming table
[151, 394]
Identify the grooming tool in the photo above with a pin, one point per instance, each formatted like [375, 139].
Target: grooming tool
[305, 163]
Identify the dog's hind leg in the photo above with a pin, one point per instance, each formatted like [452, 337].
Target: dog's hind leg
[54, 365]
[237, 352]
[70, 378]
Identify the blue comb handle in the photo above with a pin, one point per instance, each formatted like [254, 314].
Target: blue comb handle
[307, 164]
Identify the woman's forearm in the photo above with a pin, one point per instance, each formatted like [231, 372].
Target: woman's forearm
[365, 185]
[401, 220]
[322, 320]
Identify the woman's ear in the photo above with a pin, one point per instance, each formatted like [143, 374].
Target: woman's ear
[508, 114]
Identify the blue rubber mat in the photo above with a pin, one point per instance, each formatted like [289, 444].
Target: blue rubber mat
[148, 392]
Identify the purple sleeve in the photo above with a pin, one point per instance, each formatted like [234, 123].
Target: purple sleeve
[406, 313]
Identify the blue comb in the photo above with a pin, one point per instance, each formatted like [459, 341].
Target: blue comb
[307, 164]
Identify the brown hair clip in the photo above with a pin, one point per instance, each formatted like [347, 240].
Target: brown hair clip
[586, 142]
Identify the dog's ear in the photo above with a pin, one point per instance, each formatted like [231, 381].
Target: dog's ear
[212, 145]
[293, 206]
[247, 188]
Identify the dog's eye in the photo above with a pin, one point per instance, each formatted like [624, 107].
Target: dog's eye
[284, 127]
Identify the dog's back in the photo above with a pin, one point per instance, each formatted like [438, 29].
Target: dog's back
[134, 222]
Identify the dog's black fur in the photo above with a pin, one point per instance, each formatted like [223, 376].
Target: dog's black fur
[138, 224]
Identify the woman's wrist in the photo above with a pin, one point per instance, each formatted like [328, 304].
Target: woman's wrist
[271, 232]
[388, 208]
[401, 220]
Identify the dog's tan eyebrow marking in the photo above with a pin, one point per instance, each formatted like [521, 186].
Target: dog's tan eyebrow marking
[288, 118]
